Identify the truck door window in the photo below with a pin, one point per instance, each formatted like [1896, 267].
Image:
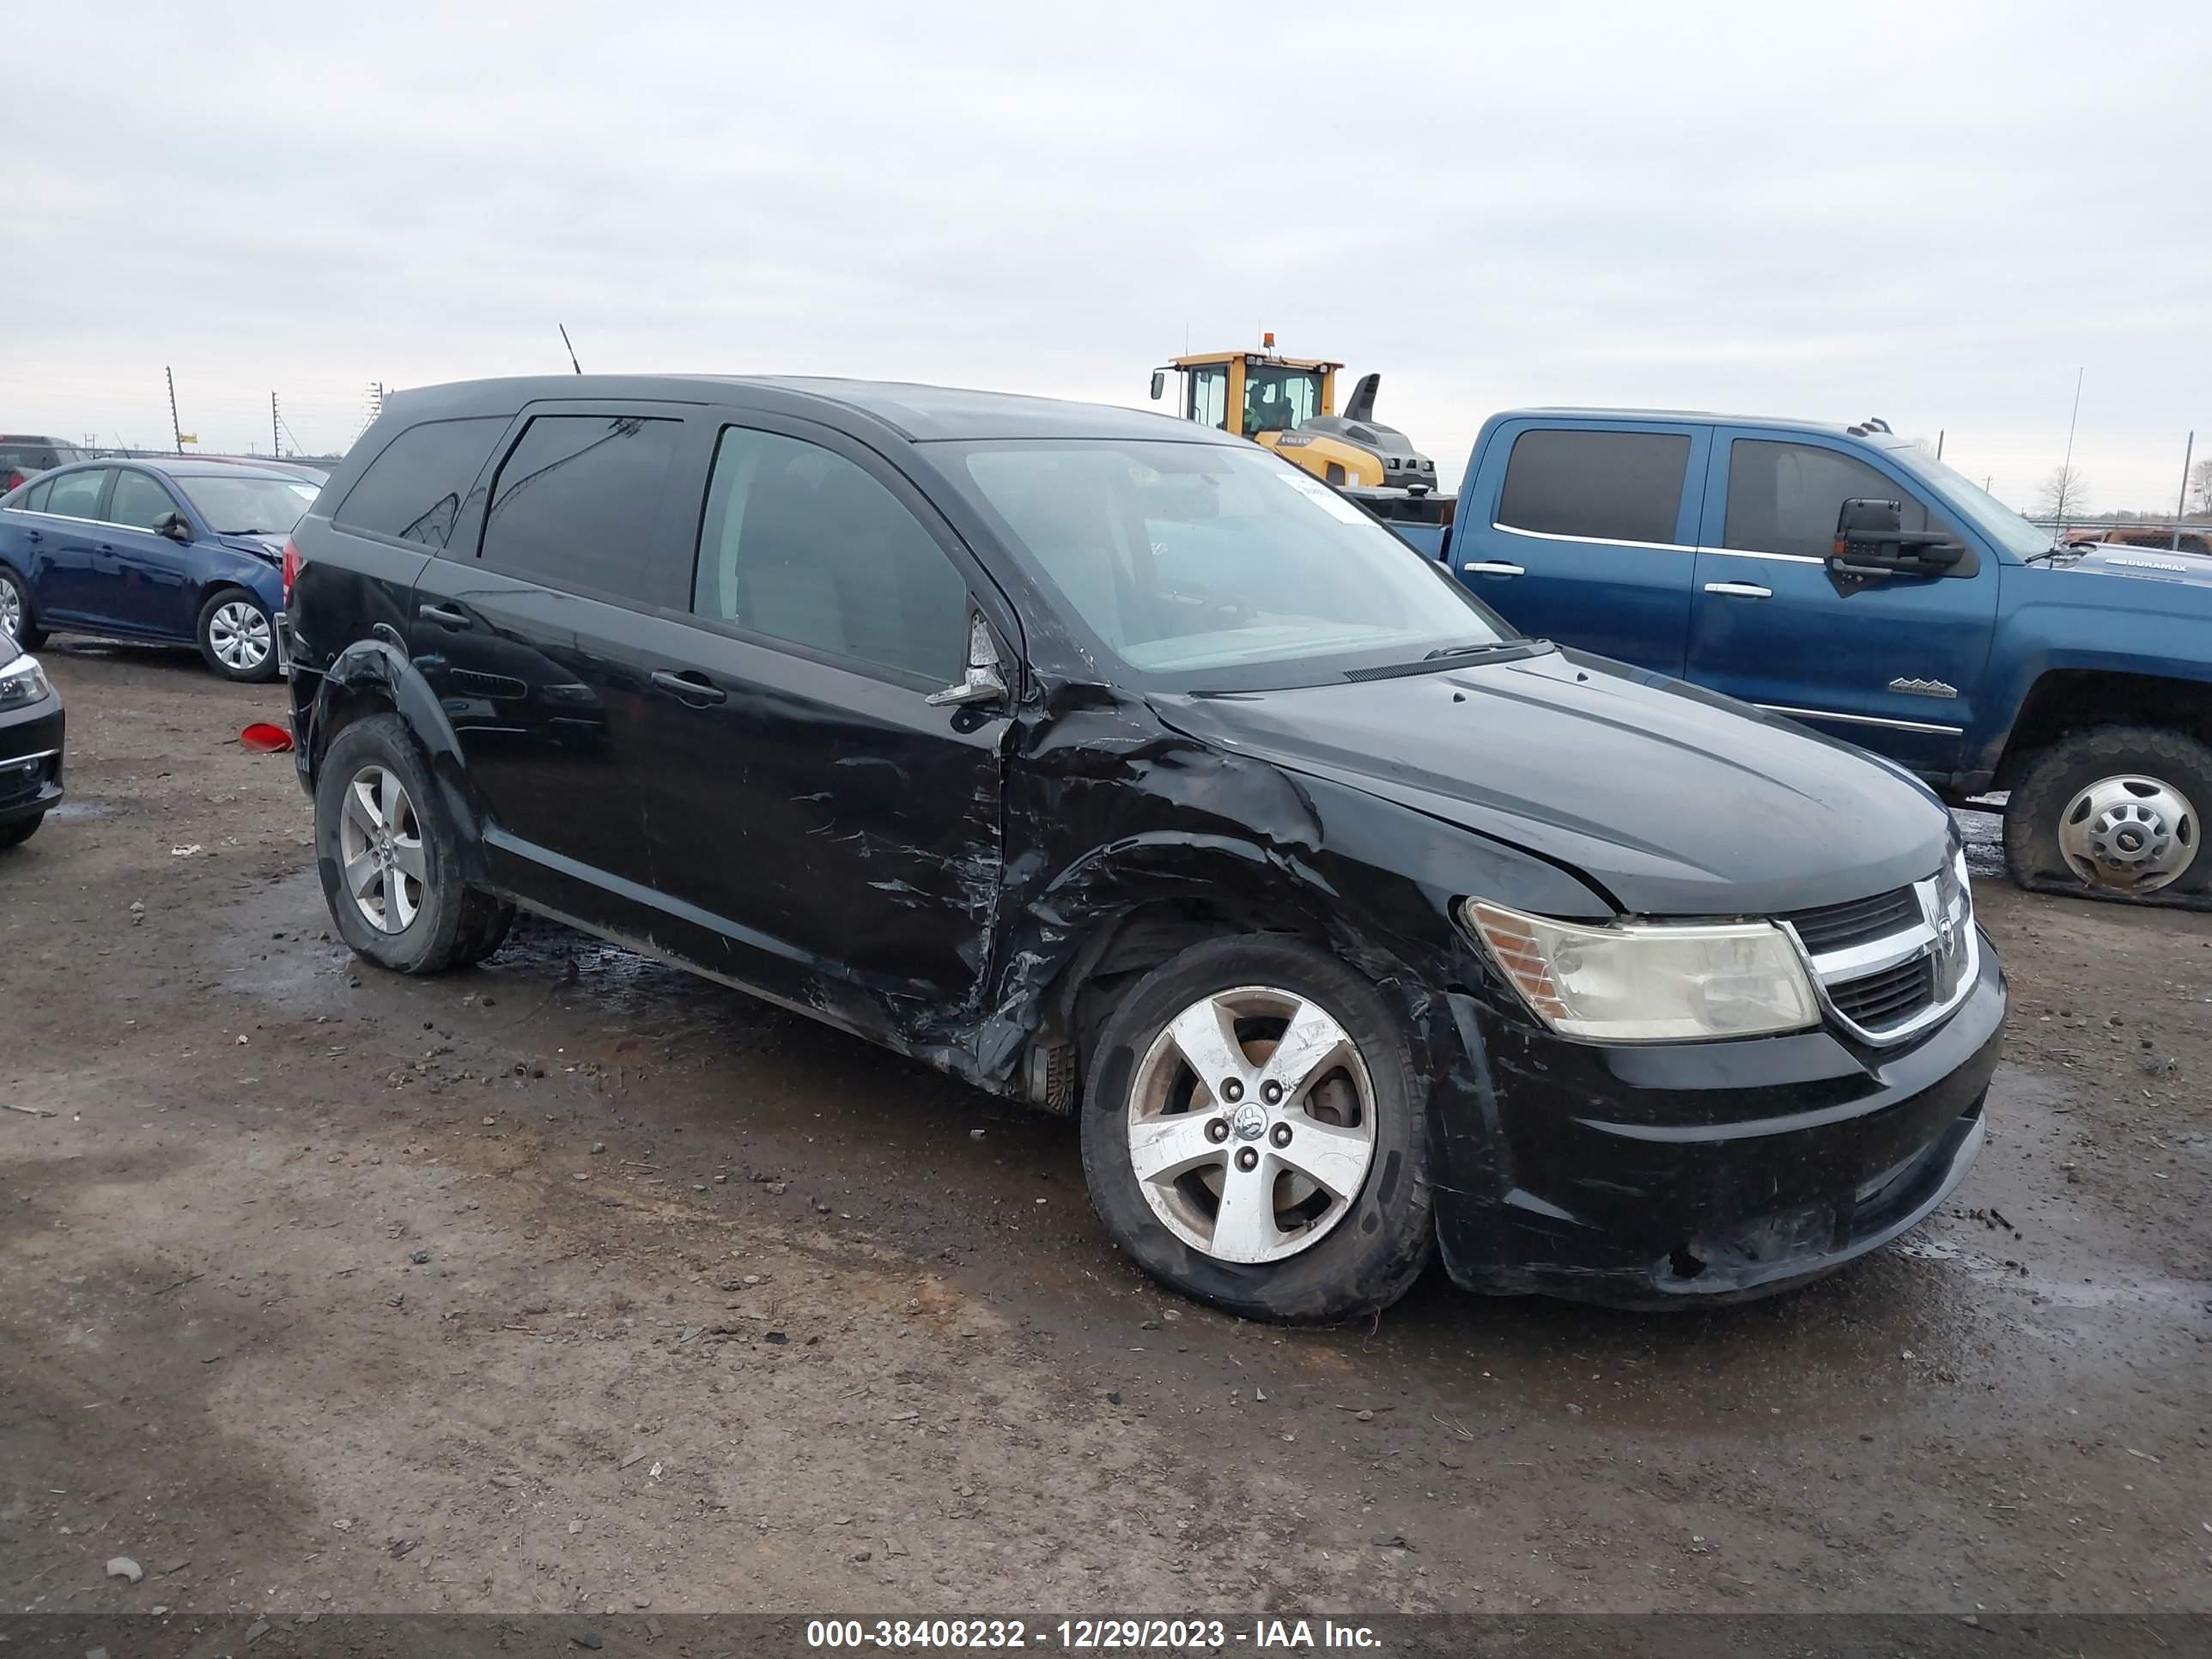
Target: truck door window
[1209, 397]
[1783, 498]
[1596, 486]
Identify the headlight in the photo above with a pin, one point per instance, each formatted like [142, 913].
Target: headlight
[1649, 982]
[22, 681]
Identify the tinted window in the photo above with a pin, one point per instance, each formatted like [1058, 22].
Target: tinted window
[801, 545]
[576, 503]
[1608, 486]
[138, 501]
[34, 498]
[1785, 498]
[76, 495]
[413, 490]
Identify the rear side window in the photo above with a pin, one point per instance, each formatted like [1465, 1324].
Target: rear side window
[76, 495]
[34, 498]
[1785, 498]
[413, 490]
[576, 504]
[802, 545]
[1596, 486]
[138, 501]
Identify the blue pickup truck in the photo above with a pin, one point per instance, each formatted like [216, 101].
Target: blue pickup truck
[1845, 577]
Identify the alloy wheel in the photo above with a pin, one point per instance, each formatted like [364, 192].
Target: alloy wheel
[238, 635]
[2128, 834]
[11, 609]
[380, 849]
[1251, 1124]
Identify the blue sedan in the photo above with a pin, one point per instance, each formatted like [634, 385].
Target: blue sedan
[143, 549]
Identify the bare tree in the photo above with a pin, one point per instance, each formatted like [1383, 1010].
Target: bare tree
[2200, 485]
[2063, 493]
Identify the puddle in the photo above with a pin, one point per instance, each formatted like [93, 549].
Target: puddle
[76, 807]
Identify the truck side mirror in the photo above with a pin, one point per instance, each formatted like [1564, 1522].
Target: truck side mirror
[1870, 541]
[1159, 383]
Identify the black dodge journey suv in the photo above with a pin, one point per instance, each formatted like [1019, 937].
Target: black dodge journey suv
[1113, 763]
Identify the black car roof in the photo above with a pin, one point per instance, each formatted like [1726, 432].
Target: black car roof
[923, 414]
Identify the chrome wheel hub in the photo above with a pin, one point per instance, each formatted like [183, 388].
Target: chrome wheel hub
[380, 850]
[11, 610]
[240, 636]
[2128, 834]
[1252, 1125]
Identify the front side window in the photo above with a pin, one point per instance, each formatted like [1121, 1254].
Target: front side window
[1219, 565]
[577, 501]
[412, 490]
[803, 545]
[1595, 486]
[138, 501]
[1786, 498]
[1277, 399]
[233, 505]
[76, 495]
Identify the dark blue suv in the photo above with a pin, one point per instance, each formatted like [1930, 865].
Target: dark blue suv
[180, 549]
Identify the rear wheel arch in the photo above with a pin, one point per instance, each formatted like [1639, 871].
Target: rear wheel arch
[371, 678]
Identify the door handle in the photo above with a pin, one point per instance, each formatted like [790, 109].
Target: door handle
[691, 687]
[440, 614]
[1740, 590]
[35, 535]
[1492, 568]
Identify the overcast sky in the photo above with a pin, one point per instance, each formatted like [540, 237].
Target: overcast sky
[1934, 213]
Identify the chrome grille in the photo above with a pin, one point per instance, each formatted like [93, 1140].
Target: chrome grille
[1892, 965]
[1832, 926]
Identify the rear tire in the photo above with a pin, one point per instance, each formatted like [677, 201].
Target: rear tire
[2115, 812]
[390, 864]
[1331, 1214]
[238, 637]
[15, 602]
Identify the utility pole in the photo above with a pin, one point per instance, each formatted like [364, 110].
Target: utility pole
[2181, 506]
[2066, 471]
[275, 430]
[1939, 443]
[176, 430]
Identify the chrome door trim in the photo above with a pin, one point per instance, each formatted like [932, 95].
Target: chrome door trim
[1593, 541]
[1862, 719]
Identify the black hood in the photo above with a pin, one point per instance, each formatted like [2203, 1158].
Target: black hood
[1672, 800]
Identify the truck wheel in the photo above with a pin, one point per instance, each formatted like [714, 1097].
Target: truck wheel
[1254, 1133]
[2114, 812]
[387, 855]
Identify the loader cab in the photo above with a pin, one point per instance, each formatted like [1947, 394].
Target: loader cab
[1269, 395]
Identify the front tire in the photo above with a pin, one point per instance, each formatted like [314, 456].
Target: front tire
[387, 855]
[16, 834]
[1254, 1133]
[2115, 812]
[238, 637]
[16, 611]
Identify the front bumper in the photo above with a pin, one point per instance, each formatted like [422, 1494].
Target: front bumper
[1693, 1174]
[31, 760]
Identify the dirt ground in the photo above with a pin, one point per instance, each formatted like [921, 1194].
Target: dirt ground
[571, 1283]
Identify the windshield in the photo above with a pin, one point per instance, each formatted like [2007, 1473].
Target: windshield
[1206, 567]
[1277, 399]
[248, 506]
[1989, 515]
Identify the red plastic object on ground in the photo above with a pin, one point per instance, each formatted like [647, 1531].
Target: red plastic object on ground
[263, 738]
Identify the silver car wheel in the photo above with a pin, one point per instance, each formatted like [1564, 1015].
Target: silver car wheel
[11, 609]
[2128, 834]
[380, 849]
[240, 636]
[1252, 1125]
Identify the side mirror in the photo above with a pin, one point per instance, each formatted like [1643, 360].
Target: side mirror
[1869, 542]
[983, 682]
[172, 525]
[1159, 383]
